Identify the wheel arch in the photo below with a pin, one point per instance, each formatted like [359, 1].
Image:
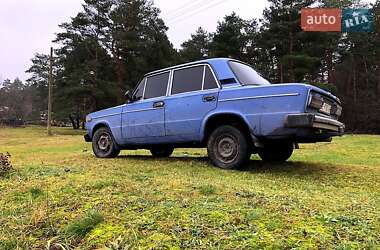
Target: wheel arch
[98, 126]
[103, 124]
[225, 118]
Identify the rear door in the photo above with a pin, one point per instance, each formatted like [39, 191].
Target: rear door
[144, 119]
[194, 93]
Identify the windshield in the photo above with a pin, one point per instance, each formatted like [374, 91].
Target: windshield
[247, 75]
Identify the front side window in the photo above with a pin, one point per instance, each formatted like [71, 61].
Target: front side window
[156, 85]
[139, 91]
[187, 80]
[246, 74]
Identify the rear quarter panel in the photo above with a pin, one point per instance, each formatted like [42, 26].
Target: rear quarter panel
[264, 108]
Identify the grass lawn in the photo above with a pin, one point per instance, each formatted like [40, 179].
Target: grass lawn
[327, 196]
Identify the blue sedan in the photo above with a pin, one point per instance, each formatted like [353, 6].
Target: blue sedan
[222, 104]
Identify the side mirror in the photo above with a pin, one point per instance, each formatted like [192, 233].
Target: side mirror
[128, 96]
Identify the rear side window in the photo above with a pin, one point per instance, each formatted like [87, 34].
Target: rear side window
[210, 82]
[187, 80]
[156, 86]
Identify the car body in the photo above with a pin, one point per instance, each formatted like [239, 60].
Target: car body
[183, 105]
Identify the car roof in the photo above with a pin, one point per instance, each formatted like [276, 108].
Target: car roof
[208, 61]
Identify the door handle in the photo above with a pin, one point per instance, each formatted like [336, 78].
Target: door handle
[159, 104]
[209, 98]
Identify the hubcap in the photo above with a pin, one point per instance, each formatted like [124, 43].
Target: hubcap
[104, 142]
[227, 148]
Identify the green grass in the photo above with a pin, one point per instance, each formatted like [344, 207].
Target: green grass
[326, 197]
[81, 227]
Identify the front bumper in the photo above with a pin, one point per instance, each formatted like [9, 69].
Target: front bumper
[87, 138]
[314, 121]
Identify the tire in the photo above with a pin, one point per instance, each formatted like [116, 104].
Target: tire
[276, 152]
[103, 144]
[228, 147]
[162, 152]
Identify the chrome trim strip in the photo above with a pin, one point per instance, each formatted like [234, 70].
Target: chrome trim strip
[158, 73]
[190, 64]
[102, 116]
[259, 97]
[203, 78]
[191, 93]
[140, 110]
[326, 126]
[187, 120]
[215, 78]
[143, 124]
[321, 119]
[170, 83]
[235, 85]
[143, 95]
[308, 120]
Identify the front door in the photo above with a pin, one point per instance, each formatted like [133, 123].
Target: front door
[144, 119]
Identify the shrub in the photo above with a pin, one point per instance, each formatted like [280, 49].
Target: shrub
[5, 164]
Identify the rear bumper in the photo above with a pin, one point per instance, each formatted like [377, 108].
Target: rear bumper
[87, 138]
[314, 121]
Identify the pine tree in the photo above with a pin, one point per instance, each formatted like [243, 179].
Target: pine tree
[105, 50]
[38, 83]
[230, 38]
[197, 47]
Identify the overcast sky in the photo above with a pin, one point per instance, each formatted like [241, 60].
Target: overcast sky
[28, 26]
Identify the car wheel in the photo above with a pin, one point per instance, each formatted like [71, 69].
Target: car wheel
[103, 144]
[276, 152]
[162, 151]
[228, 147]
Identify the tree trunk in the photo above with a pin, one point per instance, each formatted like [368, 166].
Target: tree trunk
[378, 81]
[77, 120]
[291, 47]
[366, 72]
[354, 84]
[291, 62]
[72, 122]
[119, 71]
[354, 90]
[280, 73]
[329, 62]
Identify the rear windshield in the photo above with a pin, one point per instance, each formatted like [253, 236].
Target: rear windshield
[246, 74]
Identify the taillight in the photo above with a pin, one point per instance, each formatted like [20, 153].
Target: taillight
[323, 105]
[316, 101]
